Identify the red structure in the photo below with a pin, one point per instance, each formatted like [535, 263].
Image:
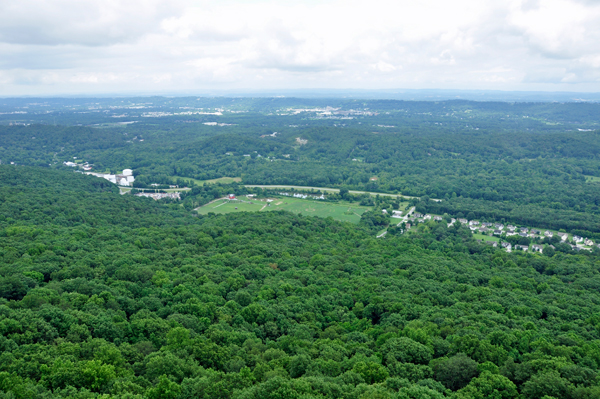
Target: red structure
[231, 196]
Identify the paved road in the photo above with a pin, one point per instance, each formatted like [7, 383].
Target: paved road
[333, 190]
[405, 217]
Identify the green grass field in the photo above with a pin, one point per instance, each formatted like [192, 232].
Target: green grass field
[344, 212]
[592, 179]
[485, 238]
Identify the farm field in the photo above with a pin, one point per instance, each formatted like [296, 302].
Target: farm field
[343, 212]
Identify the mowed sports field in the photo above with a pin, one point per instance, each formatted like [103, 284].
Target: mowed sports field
[343, 212]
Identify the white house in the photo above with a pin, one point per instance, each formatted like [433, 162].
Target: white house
[537, 248]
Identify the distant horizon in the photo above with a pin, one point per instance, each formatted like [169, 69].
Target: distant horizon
[350, 93]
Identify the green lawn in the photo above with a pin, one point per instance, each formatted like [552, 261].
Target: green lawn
[344, 212]
[485, 238]
[592, 179]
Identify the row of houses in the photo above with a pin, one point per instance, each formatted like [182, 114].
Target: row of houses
[510, 230]
[304, 196]
[499, 229]
[533, 247]
[427, 217]
[157, 196]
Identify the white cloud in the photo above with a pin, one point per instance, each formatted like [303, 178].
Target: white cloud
[113, 45]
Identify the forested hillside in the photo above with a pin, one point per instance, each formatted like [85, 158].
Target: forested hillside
[117, 296]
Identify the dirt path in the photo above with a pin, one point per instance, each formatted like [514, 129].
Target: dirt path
[208, 203]
[223, 203]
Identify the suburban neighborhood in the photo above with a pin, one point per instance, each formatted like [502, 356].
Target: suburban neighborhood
[495, 234]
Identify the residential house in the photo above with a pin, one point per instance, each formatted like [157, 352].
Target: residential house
[499, 226]
[483, 230]
[548, 233]
[485, 224]
[588, 242]
[511, 227]
[418, 215]
[563, 236]
[537, 248]
[524, 229]
[522, 247]
[474, 223]
[427, 217]
[511, 233]
[534, 231]
[507, 246]
[463, 221]
[497, 232]
[492, 243]
[577, 239]
[437, 218]
[523, 234]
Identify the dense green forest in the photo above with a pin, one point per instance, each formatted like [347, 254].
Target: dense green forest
[105, 295]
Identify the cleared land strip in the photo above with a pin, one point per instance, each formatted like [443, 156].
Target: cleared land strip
[334, 190]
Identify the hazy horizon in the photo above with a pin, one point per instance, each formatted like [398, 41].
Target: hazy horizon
[365, 94]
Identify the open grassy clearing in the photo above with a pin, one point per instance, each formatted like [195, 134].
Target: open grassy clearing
[344, 212]
[485, 238]
[592, 179]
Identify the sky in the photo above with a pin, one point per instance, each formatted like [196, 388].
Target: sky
[58, 47]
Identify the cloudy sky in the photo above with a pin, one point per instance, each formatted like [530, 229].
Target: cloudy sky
[149, 46]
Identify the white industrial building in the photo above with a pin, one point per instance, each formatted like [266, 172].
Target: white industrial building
[124, 179]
